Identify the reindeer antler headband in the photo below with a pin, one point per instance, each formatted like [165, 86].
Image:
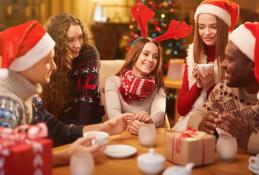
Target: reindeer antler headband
[143, 14]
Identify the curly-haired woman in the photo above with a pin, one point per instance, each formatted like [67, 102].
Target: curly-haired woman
[73, 93]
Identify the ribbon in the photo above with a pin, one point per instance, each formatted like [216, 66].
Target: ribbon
[190, 133]
[22, 134]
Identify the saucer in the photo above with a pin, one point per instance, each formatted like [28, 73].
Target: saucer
[119, 151]
[254, 170]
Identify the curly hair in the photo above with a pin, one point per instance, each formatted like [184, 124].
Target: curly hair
[58, 90]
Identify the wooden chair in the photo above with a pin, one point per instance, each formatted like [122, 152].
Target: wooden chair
[173, 80]
[108, 68]
[175, 69]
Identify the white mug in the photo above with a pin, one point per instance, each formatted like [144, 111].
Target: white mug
[254, 161]
[209, 66]
[100, 136]
[147, 135]
[226, 148]
[205, 68]
[81, 163]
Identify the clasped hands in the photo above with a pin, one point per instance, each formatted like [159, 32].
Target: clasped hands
[229, 123]
[204, 77]
[127, 121]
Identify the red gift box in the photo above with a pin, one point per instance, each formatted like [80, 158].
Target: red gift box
[25, 154]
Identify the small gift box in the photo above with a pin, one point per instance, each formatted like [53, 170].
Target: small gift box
[190, 146]
[23, 151]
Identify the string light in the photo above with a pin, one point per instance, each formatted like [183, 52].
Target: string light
[162, 15]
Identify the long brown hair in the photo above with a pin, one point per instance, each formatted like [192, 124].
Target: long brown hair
[221, 43]
[58, 90]
[221, 40]
[133, 55]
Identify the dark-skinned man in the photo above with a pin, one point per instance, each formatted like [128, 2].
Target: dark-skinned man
[233, 105]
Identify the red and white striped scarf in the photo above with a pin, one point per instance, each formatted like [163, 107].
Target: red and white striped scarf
[136, 88]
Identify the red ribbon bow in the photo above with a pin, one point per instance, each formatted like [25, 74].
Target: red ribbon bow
[21, 134]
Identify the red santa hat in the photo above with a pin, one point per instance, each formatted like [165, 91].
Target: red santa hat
[23, 46]
[246, 38]
[226, 10]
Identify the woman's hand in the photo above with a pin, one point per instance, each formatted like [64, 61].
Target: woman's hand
[134, 126]
[207, 77]
[196, 75]
[118, 124]
[143, 116]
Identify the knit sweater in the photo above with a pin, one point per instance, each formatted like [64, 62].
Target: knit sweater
[115, 104]
[237, 101]
[15, 98]
[191, 96]
[83, 105]
[19, 105]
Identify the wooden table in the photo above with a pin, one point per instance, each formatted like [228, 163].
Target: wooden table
[108, 166]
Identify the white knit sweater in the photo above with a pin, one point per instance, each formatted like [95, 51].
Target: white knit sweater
[154, 104]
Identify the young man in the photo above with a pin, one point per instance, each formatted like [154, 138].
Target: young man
[27, 53]
[232, 106]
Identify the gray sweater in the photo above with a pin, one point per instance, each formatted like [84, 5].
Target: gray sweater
[20, 91]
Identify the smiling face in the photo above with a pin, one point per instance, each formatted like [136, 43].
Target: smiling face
[41, 71]
[75, 40]
[207, 27]
[237, 67]
[147, 60]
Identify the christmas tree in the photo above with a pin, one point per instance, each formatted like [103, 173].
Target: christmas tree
[165, 11]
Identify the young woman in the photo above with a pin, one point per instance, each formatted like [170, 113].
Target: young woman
[73, 93]
[213, 20]
[138, 87]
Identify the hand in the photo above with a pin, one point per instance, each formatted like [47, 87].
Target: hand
[197, 76]
[82, 144]
[143, 116]
[209, 123]
[117, 124]
[207, 78]
[236, 128]
[134, 126]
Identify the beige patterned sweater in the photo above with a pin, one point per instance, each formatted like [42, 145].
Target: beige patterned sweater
[242, 105]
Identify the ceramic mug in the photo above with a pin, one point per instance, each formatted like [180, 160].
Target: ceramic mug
[100, 136]
[147, 135]
[81, 163]
[254, 162]
[226, 148]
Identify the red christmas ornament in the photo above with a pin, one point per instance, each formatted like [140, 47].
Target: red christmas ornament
[157, 28]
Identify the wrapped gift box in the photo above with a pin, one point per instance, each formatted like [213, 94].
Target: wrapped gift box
[190, 146]
[21, 155]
